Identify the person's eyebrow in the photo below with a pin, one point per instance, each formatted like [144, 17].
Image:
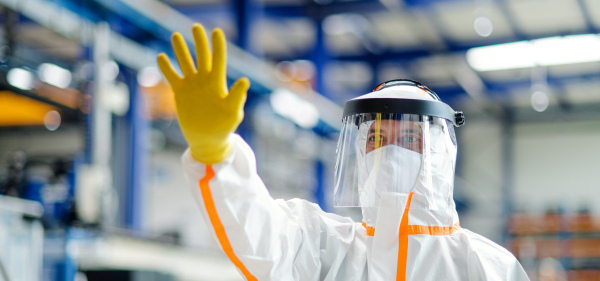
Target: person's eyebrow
[411, 130]
[371, 131]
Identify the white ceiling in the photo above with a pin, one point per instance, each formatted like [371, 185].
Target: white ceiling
[433, 29]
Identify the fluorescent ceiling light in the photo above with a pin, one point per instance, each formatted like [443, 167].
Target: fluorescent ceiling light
[538, 52]
[568, 49]
[20, 78]
[540, 101]
[54, 75]
[483, 26]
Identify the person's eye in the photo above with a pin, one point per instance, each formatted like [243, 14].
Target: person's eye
[410, 139]
[375, 138]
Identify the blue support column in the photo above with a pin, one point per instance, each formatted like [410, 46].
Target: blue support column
[70, 262]
[87, 87]
[320, 57]
[374, 76]
[247, 12]
[320, 188]
[138, 155]
[507, 169]
[130, 157]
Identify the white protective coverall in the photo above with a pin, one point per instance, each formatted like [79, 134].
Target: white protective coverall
[271, 239]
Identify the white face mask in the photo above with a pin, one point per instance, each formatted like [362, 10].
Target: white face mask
[388, 169]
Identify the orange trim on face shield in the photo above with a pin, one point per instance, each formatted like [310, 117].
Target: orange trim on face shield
[217, 225]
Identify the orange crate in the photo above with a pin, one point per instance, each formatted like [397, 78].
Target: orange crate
[549, 248]
[584, 275]
[522, 224]
[584, 248]
[584, 223]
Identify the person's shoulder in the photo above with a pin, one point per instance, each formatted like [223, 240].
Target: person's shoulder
[490, 261]
[483, 245]
[311, 209]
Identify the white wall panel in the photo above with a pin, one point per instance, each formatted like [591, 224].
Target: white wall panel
[558, 164]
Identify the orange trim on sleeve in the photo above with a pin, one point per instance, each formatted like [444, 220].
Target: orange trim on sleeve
[422, 229]
[403, 242]
[432, 230]
[217, 225]
[370, 229]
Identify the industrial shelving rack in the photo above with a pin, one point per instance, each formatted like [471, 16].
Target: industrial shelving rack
[572, 239]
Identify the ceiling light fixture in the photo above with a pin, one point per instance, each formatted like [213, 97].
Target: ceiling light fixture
[54, 75]
[483, 26]
[20, 78]
[540, 101]
[539, 52]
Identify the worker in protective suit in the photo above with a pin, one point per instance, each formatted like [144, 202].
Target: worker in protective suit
[395, 160]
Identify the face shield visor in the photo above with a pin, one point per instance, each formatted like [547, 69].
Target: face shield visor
[395, 140]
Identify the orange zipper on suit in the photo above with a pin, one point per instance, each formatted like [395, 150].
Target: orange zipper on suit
[406, 230]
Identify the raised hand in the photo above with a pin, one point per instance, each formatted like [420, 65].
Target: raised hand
[208, 113]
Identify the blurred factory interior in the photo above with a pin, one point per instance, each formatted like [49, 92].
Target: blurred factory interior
[91, 184]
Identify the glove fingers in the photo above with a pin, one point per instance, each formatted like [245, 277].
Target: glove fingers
[183, 55]
[203, 59]
[219, 67]
[167, 69]
[237, 94]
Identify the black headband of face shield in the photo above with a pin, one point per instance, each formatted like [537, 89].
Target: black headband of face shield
[365, 117]
[434, 108]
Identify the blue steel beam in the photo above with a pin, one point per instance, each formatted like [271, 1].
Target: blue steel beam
[86, 9]
[512, 22]
[205, 11]
[126, 12]
[425, 3]
[310, 9]
[586, 16]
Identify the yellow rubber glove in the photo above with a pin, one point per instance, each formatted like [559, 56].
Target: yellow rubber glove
[207, 112]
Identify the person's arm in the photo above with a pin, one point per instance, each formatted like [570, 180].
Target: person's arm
[266, 239]
[261, 236]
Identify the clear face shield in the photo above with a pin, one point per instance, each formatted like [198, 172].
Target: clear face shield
[384, 154]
